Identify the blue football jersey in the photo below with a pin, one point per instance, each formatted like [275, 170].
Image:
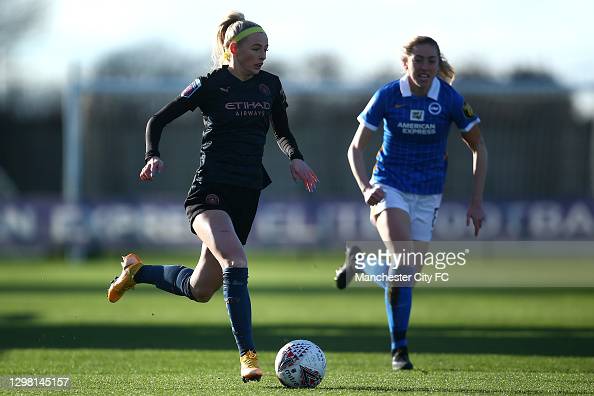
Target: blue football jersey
[413, 155]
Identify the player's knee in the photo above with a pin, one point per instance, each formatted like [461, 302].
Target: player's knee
[239, 261]
[202, 298]
[203, 295]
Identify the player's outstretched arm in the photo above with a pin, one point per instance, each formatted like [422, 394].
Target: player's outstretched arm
[154, 129]
[476, 144]
[302, 172]
[288, 145]
[371, 194]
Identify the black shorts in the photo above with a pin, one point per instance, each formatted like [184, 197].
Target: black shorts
[240, 203]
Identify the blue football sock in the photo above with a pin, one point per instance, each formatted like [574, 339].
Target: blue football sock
[171, 278]
[237, 298]
[398, 305]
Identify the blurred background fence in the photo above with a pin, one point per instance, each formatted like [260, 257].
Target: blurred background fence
[70, 174]
[71, 148]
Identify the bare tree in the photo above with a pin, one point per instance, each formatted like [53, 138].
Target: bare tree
[323, 67]
[150, 59]
[525, 74]
[17, 19]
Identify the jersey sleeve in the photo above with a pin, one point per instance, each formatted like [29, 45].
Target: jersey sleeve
[373, 114]
[462, 114]
[189, 99]
[194, 92]
[280, 126]
[280, 100]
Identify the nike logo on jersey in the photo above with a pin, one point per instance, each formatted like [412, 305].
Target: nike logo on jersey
[226, 90]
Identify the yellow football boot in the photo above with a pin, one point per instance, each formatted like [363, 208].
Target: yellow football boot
[250, 367]
[131, 263]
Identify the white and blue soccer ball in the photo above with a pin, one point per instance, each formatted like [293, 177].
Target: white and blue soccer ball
[300, 364]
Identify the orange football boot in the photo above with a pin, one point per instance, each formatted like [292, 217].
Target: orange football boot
[250, 367]
[131, 263]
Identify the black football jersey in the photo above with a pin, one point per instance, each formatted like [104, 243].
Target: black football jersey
[237, 116]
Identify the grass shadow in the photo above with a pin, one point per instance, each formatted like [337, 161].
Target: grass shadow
[333, 338]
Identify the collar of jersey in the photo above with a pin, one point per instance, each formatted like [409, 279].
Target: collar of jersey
[405, 88]
[226, 68]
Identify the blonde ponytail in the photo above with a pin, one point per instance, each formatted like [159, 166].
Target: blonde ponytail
[232, 25]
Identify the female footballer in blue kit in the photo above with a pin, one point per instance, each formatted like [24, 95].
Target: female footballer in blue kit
[238, 101]
[406, 187]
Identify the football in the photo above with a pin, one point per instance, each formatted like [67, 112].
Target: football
[300, 364]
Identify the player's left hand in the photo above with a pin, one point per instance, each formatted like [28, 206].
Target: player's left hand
[477, 215]
[151, 168]
[301, 171]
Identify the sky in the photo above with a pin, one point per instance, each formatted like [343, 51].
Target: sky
[498, 35]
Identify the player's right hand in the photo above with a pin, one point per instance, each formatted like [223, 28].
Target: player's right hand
[373, 195]
[153, 166]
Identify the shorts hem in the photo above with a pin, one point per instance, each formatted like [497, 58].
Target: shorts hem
[198, 211]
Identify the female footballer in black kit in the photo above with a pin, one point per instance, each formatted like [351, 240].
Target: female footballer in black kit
[238, 100]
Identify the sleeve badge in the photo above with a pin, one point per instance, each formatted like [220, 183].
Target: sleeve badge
[190, 89]
[468, 112]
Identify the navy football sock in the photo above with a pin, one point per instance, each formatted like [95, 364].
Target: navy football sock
[398, 305]
[237, 299]
[171, 278]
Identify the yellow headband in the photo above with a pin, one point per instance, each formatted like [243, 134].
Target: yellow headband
[240, 36]
[244, 33]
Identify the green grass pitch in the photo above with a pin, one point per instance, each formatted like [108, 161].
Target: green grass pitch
[55, 320]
